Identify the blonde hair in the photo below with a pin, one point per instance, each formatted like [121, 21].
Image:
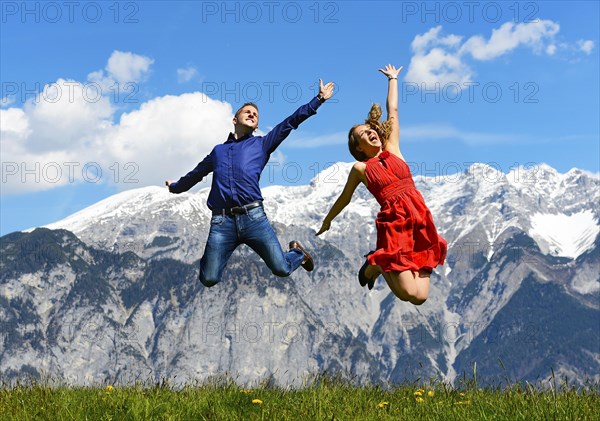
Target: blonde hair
[383, 129]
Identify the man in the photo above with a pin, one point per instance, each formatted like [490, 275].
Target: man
[235, 197]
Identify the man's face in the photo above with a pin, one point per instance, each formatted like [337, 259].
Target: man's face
[247, 117]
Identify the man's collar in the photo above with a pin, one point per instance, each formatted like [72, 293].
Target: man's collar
[231, 137]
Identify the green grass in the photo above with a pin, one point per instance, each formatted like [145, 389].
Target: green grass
[324, 399]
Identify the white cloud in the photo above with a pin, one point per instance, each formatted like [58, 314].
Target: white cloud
[14, 123]
[586, 46]
[63, 124]
[432, 63]
[442, 58]
[438, 66]
[128, 67]
[508, 37]
[65, 129]
[186, 74]
[64, 114]
[122, 69]
[432, 38]
[167, 136]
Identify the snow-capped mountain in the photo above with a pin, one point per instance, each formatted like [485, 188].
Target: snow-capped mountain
[539, 200]
[120, 299]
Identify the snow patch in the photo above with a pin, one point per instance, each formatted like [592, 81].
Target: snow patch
[565, 235]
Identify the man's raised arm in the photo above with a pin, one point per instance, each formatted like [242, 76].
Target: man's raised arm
[274, 138]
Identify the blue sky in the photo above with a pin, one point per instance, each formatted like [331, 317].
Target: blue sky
[100, 97]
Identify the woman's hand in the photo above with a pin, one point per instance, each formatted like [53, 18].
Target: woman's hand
[324, 227]
[391, 71]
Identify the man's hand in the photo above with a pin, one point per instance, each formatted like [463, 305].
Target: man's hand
[168, 183]
[324, 227]
[391, 71]
[326, 91]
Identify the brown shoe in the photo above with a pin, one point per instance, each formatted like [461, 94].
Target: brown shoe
[308, 263]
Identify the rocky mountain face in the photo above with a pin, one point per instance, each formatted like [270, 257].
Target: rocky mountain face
[111, 292]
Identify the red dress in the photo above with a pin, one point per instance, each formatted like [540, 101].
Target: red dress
[406, 235]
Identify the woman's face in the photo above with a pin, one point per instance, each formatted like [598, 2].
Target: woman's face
[368, 140]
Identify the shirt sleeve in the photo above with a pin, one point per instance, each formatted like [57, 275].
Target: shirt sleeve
[274, 138]
[193, 177]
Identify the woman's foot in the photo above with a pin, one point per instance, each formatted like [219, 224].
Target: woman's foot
[365, 274]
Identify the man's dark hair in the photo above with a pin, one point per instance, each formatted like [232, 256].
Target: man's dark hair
[252, 104]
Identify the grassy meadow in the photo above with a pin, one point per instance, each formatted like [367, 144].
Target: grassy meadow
[324, 399]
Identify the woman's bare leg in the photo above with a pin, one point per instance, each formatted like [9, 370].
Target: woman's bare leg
[409, 286]
[406, 285]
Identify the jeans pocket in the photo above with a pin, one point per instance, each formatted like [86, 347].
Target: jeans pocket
[257, 214]
[216, 220]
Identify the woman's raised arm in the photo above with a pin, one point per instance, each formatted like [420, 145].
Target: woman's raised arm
[393, 142]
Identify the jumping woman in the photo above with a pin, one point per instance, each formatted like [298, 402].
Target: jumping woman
[408, 245]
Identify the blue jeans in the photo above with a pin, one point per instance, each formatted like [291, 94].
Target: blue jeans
[255, 230]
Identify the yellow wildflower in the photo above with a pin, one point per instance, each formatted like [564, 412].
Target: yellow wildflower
[419, 399]
[462, 403]
[419, 392]
[431, 393]
[257, 401]
[246, 391]
[461, 394]
[382, 404]
[109, 389]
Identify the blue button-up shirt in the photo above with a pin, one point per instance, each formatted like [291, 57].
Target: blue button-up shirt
[238, 163]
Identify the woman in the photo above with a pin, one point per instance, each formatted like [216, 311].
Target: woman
[408, 245]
